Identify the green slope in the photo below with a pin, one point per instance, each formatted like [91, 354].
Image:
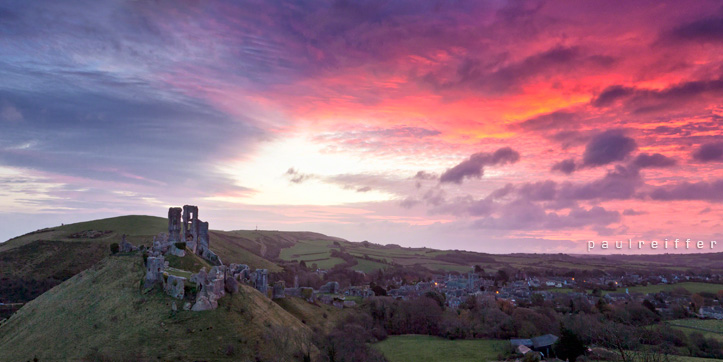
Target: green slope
[100, 314]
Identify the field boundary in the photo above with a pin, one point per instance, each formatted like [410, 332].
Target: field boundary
[696, 328]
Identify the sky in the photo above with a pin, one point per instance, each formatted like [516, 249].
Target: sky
[493, 126]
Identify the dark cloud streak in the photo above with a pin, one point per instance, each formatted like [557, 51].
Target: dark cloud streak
[473, 167]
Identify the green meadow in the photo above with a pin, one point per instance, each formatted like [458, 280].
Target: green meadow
[418, 348]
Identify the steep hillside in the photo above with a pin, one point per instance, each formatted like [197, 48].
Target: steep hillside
[100, 314]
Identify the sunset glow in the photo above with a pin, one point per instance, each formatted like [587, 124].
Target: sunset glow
[493, 126]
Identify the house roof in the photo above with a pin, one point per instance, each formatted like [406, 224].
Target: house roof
[521, 342]
[544, 341]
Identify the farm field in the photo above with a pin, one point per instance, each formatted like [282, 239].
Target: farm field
[693, 287]
[692, 359]
[710, 328]
[418, 348]
[707, 324]
[368, 266]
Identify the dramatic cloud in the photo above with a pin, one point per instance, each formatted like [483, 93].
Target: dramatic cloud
[707, 30]
[538, 191]
[611, 94]
[656, 160]
[524, 215]
[607, 147]
[126, 107]
[707, 191]
[551, 121]
[565, 166]
[709, 152]
[676, 96]
[619, 183]
[473, 167]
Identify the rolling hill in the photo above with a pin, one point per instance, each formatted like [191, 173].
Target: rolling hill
[99, 309]
[32, 263]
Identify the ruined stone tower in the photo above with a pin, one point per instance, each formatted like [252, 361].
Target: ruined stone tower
[174, 224]
[190, 227]
[195, 232]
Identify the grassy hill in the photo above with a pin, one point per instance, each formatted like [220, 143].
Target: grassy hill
[32, 263]
[101, 314]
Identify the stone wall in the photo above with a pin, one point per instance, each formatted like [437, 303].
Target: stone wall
[174, 224]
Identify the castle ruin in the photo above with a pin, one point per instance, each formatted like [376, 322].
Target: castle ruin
[201, 291]
[185, 226]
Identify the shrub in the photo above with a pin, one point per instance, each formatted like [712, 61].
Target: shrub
[190, 290]
[569, 346]
[531, 357]
[114, 248]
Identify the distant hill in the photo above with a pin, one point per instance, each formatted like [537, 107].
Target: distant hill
[100, 314]
[32, 263]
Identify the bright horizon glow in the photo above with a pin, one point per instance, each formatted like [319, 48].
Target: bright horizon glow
[498, 127]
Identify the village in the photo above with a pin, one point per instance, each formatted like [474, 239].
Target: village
[187, 232]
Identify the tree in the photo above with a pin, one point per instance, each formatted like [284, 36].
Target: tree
[469, 303]
[569, 346]
[698, 301]
[440, 298]
[648, 304]
[502, 276]
[378, 290]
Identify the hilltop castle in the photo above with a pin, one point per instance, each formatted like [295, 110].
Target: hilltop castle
[187, 232]
[195, 232]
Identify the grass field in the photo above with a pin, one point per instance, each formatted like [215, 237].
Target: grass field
[416, 348]
[368, 266]
[693, 287]
[692, 359]
[707, 324]
[710, 328]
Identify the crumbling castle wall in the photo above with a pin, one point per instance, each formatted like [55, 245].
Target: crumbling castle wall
[174, 224]
[175, 286]
[278, 290]
[262, 280]
[154, 270]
